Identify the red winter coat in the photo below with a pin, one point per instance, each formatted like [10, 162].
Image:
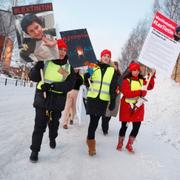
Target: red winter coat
[126, 113]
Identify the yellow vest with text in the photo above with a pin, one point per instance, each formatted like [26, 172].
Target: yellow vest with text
[135, 85]
[51, 74]
[101, 85]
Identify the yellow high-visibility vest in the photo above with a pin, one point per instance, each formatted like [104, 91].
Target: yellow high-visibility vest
[51, 74]
[135, 85]
[101, 85]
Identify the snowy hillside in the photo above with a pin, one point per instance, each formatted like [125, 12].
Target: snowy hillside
[157, 146]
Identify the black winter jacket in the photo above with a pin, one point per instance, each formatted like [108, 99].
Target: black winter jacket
[53, 101]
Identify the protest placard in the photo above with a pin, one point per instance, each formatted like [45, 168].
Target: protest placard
[160, 50]
[35, 32]
[80, 49]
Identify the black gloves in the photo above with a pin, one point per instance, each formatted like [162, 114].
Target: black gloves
[87, 79]
[46, 87]
[112, 104]
[39, 65]
[87, 76]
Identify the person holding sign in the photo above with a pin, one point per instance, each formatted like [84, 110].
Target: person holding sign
[59, 78]
[101, 91]
[39, 44]
[131, 109]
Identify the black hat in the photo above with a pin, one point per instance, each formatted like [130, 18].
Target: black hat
[177, 29]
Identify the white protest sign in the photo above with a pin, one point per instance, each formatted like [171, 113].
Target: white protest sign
[160, 51]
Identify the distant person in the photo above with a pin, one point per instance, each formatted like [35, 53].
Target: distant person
[59, 78]
[40, 45]
[106, 119]
[101, 91]
[131, 89]
[177, 34]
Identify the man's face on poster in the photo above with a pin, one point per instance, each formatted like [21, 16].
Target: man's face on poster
[35, 30]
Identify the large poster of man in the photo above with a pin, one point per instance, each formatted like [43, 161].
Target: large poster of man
[35, 30]
[80, 49]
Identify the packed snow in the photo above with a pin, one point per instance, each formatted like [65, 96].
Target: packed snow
[157, 147]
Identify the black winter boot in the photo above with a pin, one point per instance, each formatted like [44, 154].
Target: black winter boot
[33, 157]
[52, 143]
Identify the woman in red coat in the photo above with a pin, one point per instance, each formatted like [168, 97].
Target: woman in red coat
[132, 90]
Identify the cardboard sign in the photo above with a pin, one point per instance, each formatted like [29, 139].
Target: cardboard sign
[160, 51]
[35, 32]
[80, 50]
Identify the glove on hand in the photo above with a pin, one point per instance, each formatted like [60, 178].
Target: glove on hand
[86, 79]
[112, 105]
[39, 65]
[87, 76]
[46, 87]
[143, 93]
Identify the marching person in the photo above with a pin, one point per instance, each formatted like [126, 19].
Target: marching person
[101, 90]
[59, 78]
[131, 89]
[70, 107]
[107, 117]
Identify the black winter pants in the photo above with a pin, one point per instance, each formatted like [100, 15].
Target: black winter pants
[93, 124]
[41, 122]
[134, 131]
[105, 124]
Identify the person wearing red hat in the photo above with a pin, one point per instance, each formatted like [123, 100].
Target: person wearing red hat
[131, 89]
[59, 78]
[101, 91]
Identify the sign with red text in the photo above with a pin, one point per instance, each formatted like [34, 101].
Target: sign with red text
[164, 25]
[160, 50]
[80, 50]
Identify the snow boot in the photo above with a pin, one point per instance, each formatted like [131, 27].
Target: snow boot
[120, 143]
[52, 143]
[92, 146]
[34, 157]
[129, 144]
[71, 122]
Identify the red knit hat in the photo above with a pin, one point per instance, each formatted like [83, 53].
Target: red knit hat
[61, 44]
[106, 51]
[134, 66]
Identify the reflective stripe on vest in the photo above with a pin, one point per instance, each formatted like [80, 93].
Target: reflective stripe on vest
[135, 85]
[51, 74]
[101, 86]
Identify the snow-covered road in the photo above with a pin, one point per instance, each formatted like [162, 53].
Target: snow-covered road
[156, 157]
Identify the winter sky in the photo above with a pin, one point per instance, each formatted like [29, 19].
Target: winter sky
[109, 23]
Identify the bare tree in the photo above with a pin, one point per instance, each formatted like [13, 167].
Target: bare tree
[172, 9]
[134, 44]
[156, 6]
